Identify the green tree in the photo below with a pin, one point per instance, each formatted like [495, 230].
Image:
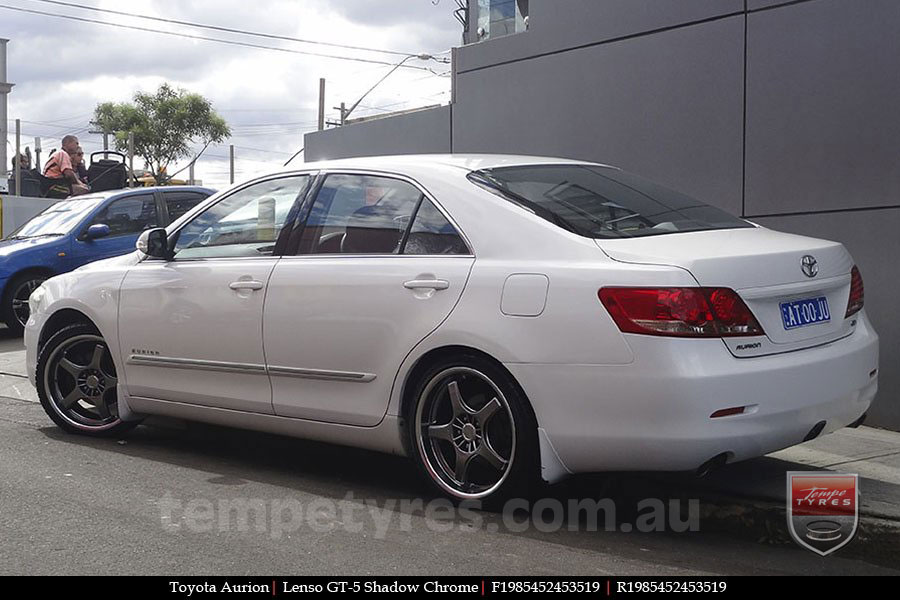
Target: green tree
[164, 124]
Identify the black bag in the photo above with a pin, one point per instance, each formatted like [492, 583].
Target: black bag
[106, 173]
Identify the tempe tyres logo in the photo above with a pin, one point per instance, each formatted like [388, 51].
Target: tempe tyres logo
[822, 509]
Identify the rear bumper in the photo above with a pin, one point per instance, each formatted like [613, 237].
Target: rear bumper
[654, 414]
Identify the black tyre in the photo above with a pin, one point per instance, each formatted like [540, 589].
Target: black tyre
[76, 382]
[472, 432]
[15, 300]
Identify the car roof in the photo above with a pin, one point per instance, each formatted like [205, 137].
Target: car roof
[468, 162]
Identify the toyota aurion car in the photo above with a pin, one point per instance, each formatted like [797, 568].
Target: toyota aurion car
[497, 319]
[71, 233]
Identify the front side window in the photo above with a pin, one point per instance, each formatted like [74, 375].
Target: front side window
[246, 223]
[128, 216]
[359, 214]
[602, 202]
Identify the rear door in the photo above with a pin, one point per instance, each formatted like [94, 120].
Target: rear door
[175, 203]
[378, 266]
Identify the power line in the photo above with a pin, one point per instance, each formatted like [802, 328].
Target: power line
[270, 36]
[206, 39]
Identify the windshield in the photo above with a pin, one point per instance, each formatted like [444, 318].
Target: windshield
[57, 219]
[602, 202]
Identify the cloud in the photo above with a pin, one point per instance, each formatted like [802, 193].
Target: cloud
[62, 69]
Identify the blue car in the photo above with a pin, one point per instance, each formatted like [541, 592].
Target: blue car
[74, 232]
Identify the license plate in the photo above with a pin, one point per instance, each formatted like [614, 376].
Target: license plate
[800, 313]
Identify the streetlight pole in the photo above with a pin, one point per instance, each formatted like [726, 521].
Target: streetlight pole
[346, 113]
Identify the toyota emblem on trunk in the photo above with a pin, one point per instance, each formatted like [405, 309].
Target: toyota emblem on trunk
[809, 266]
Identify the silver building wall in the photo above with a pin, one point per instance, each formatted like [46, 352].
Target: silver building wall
[782, 112]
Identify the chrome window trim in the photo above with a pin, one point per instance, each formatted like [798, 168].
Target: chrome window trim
[410, 180]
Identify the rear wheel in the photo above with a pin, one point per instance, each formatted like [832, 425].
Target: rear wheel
[15, 300]
[77, 383]
[472, 431]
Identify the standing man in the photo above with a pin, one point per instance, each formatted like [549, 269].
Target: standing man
[62, 166]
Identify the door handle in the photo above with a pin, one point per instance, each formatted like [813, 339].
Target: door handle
[246, 285]
[427, 284]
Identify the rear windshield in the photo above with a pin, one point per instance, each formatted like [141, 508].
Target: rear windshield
[602, 202]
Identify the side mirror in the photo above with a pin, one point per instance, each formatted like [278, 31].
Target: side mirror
[154, 243]
[98, 230]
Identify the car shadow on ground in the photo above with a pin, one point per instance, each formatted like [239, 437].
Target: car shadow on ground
[588, 512]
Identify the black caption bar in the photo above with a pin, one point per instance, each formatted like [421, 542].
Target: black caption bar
[288, 587]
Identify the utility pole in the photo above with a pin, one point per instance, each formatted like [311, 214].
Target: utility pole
[37, 154]
[321, 103]
[105, 140]
[131, 158]
[5, 89]
[18, 157]
[231, 161]
[191, 173]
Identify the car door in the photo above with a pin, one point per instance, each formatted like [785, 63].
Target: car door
[190, 328]
[126, 217]
[377, 267]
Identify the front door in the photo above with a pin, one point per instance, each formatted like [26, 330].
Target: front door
[378, 268]
[190, 329]
[126, 217]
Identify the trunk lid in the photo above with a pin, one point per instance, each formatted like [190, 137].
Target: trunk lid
[764, 268]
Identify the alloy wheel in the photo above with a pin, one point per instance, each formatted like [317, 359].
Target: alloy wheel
[80, 380]
[465, 432]
[20, 308]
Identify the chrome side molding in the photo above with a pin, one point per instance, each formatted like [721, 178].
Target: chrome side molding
[231, 367]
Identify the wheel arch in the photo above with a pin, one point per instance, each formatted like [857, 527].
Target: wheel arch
[47, 271]
[424, 362]
[62, 318]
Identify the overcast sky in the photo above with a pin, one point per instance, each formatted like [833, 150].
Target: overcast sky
[63, 68]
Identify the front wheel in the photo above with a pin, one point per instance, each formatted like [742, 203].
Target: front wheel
[472, 431]
[15, 301]
[77, 383]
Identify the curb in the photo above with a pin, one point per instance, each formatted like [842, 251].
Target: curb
[877, 540]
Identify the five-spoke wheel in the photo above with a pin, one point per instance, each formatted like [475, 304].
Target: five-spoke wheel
[470, 426]
[77, 382]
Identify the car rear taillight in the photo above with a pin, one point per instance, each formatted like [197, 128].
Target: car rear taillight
[857, 294]
[680, 312]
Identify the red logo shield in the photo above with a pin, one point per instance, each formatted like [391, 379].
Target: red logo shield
[822, 509]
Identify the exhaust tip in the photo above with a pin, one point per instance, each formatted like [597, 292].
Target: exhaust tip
[815, 431]
[712, 464]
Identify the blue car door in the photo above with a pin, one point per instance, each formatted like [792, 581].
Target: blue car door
[127, 217]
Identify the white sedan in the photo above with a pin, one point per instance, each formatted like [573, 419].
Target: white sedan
[494, 318]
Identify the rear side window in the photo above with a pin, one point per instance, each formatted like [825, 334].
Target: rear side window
[178, 203]
[129, 215]
[602, 202]
[432, 233]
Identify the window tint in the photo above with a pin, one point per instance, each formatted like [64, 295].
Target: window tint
[245, 223]
[602, 202]
[129, 215]
[432, 233]
[359, 214]
[178, 203]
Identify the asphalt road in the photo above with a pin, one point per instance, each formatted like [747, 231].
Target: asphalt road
[201, 500]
